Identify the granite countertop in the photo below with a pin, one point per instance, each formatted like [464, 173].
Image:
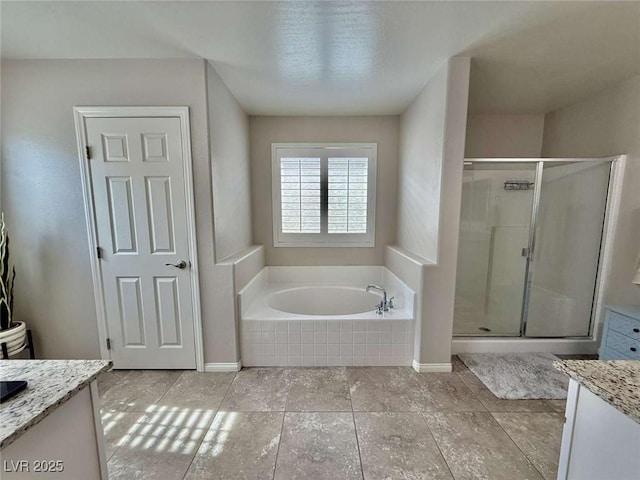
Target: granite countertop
[617, 382]
[50, 383]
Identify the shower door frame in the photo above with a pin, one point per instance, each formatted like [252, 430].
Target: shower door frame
[604, 254]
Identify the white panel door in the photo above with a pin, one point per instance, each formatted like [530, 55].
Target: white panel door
[140, 204]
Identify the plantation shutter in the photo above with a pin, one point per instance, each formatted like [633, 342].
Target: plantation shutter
[347, 191]
[300, 195]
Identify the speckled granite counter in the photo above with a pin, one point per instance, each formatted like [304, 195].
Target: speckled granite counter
[617, 382]
[50, 384]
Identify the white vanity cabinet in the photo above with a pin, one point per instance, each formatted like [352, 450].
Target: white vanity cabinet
[52, 429]
[600, 441]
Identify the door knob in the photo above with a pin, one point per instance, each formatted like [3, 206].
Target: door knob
[181, 264]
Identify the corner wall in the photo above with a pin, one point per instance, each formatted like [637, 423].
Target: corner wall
[431, 161]
[504, 135]
[600, 126]
[229, 150]
[228, 129]
[422, 128]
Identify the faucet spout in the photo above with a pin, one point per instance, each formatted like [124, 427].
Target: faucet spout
[384, 304]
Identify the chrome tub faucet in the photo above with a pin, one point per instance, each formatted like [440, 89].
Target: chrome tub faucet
[384, 304]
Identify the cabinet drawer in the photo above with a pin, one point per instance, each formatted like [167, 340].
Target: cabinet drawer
[625, 325]
[609, 354]
[623, 344]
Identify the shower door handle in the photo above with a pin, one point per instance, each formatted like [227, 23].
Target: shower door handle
[525, 252]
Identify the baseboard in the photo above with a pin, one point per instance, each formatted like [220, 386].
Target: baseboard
[432, 367]
[223, 367]
[523, 345]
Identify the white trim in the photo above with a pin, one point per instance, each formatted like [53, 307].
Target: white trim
[324, 239]
[97, 424]
[415, 259]
[431, 367]
[608, 236]
[569, 426]
[565, 346]
[80, 114]
[223, 367]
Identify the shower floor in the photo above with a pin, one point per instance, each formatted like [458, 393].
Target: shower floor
[470, 319]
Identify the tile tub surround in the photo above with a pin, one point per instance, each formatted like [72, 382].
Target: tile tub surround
[617, 382]
[270, 337]
[322, 343]
[50, 383]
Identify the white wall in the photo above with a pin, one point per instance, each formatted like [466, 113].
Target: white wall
[504, 135]
[229, 148]
[420, 169]
[231, 184]
[603, 125]
[382, 130]
[42, 195]
[431, 161]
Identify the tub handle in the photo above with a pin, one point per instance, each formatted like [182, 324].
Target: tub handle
[390, 302]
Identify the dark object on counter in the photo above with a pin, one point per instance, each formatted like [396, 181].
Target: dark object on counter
[11, 388]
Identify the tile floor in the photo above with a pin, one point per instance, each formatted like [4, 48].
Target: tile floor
[324, 423]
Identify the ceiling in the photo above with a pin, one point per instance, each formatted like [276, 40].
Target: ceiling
[336, 58]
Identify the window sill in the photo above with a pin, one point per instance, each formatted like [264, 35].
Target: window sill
[323, 245]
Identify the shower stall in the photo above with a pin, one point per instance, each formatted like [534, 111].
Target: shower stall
[529, 255]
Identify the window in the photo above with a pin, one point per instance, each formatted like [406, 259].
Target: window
[324, 194]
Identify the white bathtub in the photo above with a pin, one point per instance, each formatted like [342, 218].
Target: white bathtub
[319, 316]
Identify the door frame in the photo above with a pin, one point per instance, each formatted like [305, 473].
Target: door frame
[81, 113]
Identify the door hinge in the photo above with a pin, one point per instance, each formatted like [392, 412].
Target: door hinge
[87, 149]
[99, 251]
[108, 344]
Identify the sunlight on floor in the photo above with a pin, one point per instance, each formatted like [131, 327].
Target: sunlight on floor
[162, 429]
[218, 433]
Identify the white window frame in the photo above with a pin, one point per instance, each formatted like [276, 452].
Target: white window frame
[324, 151]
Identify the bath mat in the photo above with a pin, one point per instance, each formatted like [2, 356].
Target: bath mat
[517, 376]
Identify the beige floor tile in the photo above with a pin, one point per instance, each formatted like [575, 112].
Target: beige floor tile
[109, 379]
[319, 390]
[475, 447]
[558, 405]
[495, 404]
[160, 446]
[382, 389]
[398, 445]
[538, 435]
[258, 390]
[238, 446]
[155, 421]
[318, 446]
[117, 426]
[139, 390]
[198, 390]
[457, 364]
[446, 392]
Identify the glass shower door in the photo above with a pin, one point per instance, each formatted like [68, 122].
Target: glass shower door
[568, 234]
[495, 222]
